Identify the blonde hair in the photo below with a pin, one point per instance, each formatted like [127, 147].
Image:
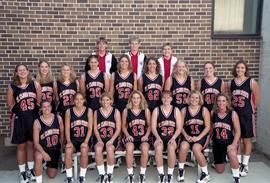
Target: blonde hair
[106, 94]
[228, 107]
[16, 79]
[72, 75]
[197, 93]
[174, 70]
[143, 103]
[129, 63]
[48, 78]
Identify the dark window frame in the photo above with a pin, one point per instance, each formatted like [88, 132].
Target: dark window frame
[257, 35]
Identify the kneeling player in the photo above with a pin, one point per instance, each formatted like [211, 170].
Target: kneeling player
[195, 135]
[48, 134]
[136, 127]
[107, 127]
[226, 135]
[78, 130]
[166, 126]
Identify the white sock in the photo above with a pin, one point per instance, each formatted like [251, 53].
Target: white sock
[110, 169]
[101, 169]
[239, 157]
[246, 159]
[170, 170]
[204, 169]
[30, 165]
[181, 165]
[39, 179]
[82, 172]
[143, 170]
[130, 171]
[69, 172]
[160, 170]
[235, 172]
[22, 168]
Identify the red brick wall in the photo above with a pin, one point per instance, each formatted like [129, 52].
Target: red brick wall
[66, 31]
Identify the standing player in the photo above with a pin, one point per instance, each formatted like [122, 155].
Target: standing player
[93, 82]
[136, 127]
[45, 79]
[23, 98]
[226, 135]
[107, 61]
[123, 82]
[66, 88]
[137, 58]
[166, 127]
[210, 86]
[107, 127]
[245, 98]
[48, 139]
[151, 83]
[180, 84]
[195, 135]
[78, 130]
[167, 61]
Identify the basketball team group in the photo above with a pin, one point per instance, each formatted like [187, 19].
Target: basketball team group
[131, 103]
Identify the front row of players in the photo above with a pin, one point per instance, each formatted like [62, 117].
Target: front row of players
[172, 129]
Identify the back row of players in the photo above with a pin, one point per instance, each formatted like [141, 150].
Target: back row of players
[133, 73]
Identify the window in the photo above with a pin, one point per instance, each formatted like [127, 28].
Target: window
[236, 18]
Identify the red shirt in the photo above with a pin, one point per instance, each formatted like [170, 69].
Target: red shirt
[102, 64]
[134, 62]
[167, 68]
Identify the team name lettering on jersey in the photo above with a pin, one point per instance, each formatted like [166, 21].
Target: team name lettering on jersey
[152, 86]
[222, 125]
[210, 90]
[180, 90]
[106, 124]
[67, 92]
[24, 95]
[241, 92]
[166, 123]
[124, 84]
[94, 84]
[194, 122]
[49, 133]
[78, 123]
[136, 122]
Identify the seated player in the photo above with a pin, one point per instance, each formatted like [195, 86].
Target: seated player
[166, 127]
[78, 130]
[48, 134]
[195, 135]
[107, 127]
[226, 135]
[136, 128]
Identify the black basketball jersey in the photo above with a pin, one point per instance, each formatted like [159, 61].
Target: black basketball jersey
[166, 124]
[209, 92]
[223, 128]
[94, 86]
[242, 97]
[180, 92]
[49, 135]
[106, 125]
[136, 124]
[194, 123]
[123, 88]
[152, 89]
[78, 125]
[47, 91]
[25, 98]
[66, 95]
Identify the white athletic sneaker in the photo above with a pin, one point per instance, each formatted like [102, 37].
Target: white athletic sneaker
[169, 178]
[81, 179]
[181, 175]
[69, 180]
[243, 170]
[109, 178]
[130, 178]
[142, 178]
[23, 177]
[204, 178]
[31, 175]
[236, 179]
[161, 178]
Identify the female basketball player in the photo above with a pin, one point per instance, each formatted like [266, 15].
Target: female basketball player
[45, 79]
[93, 82]
[180, 84]
[245, 98]
[123, 82]
[78, 130]
[136, 128]
[107, 127]
[66, 88]
[210, 86]
[226, 135]
[195, 135]
[23, 98]
[48, 139]
[151, 83]
[166, 127]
